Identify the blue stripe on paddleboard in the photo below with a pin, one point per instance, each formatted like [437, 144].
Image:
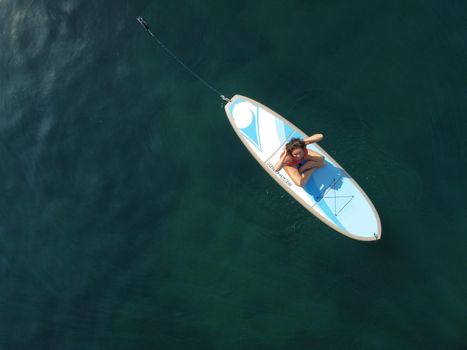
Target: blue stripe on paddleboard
[251, 132]
[280, 129]
[287, 129]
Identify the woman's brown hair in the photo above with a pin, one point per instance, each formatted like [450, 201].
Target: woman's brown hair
[294, 143]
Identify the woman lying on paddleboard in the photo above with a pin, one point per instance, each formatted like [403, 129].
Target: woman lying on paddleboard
[298, 161]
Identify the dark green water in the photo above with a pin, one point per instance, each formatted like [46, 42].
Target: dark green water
[133, 218]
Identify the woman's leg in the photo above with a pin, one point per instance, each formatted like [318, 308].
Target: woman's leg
[306, 175]
[299, 179]
[312, 155]
[314, 160]
[310, 164]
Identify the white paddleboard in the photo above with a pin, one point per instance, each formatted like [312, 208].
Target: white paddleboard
[330, 193]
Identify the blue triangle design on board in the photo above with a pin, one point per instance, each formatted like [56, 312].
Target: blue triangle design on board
[251, 131]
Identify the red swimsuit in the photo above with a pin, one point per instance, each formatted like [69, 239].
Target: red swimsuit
[294, 161]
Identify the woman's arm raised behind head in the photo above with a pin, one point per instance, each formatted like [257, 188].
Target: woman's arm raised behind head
[313, 138]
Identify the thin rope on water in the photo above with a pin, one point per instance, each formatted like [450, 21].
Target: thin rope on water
[179, 61]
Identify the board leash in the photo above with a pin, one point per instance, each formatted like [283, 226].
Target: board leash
[179, 61]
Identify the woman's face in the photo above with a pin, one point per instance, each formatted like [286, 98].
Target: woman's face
[297, 153]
